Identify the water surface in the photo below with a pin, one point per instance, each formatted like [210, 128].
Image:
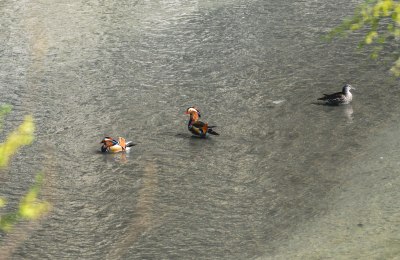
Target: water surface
[276, 182]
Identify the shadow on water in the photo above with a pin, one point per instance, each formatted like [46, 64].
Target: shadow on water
[193, 137]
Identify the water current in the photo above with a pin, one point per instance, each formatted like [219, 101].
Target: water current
[286, 179]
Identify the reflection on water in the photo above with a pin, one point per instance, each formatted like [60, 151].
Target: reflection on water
[348, 112]
[121, 157]
[343, 111]
[255, 68]
[143, 218]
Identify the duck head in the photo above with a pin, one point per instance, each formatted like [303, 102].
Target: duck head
[108, 142]
[194, 113]
[347, 88]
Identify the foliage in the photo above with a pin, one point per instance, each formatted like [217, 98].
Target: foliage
[379, 21]
[20, 137]
[30, 207]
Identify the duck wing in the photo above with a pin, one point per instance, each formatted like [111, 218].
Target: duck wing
[198, 128]
[198, 124]
[201, 128]
[339, 96]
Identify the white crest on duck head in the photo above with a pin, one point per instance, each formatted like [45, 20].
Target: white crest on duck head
[192, 110]
[105, 139]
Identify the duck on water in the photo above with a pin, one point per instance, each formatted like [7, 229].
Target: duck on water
[111, 145]
[197, 127]
[339, 98]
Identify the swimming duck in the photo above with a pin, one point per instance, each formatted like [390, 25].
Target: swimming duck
[113, 146]
[344, 97]
[197, 127]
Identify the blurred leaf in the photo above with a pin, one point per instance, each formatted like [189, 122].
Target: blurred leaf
[7, 221]
[381, 40]
[2, 202]
[30, 206]
[396, 68]
[20, 137]
[374, 55]
[379, 21]
[356, 26]
[396, 14]
[370, 37]
[4, 110]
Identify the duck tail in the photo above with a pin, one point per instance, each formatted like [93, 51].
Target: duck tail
[211, 131]
[129, 144]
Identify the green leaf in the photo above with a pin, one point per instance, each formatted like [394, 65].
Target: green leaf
[370, 37]
[30, 206]
[374, 16]
[2, 202]
[7, 221]
[20, 137]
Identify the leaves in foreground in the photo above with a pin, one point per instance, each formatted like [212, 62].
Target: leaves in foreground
[30, 207]
[379, 22]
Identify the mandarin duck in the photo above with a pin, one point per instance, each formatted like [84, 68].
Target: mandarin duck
[344, 97]
[197, 127]
[113, 146]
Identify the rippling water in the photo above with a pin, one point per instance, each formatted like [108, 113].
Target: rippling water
[287, 178]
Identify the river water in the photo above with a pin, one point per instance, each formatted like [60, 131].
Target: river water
[286, 179]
